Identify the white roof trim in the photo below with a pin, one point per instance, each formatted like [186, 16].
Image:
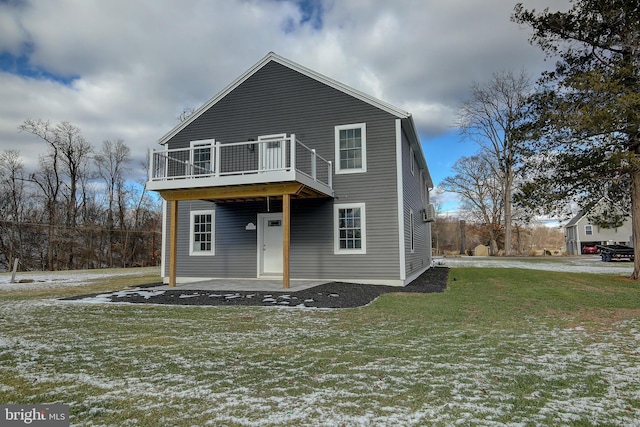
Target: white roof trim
[303, 70]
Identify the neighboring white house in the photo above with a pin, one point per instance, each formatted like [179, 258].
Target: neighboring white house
[581, 232]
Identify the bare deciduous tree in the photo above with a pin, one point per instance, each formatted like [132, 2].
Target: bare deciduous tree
[68, 157]
[491, 118]
[111, 162]
[12, 195]
[40, 225]
[480, 189]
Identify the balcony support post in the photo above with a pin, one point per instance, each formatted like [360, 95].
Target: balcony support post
[286, 239]
[173, 241]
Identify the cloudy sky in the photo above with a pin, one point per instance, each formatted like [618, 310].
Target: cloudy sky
[127, 68]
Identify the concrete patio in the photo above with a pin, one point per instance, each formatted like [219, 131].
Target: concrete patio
[272, 285]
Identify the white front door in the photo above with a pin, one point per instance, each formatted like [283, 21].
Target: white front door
[270, 244]
[272, 151]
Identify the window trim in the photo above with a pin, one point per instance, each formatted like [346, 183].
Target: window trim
[588, 230]
[192, 251]
[363, 147]
[412, 232]
[336, 229]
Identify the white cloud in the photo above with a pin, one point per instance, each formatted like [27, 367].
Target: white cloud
[447, 203]
[139, 63]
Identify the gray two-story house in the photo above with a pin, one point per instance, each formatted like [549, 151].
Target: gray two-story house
[289, 174]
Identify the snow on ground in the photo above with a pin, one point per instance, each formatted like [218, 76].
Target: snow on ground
[58, 279]
[444, 376]
[569, 264]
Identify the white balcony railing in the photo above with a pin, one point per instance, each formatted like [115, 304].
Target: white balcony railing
[269, 159]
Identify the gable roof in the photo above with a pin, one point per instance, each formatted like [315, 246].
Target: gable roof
[574, 221]
[406, 118]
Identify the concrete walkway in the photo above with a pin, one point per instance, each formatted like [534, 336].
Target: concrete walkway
[274, 285]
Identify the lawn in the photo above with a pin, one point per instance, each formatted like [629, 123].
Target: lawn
[501, 346]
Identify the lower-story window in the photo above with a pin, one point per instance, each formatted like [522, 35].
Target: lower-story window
[202, 233]
[350, 229]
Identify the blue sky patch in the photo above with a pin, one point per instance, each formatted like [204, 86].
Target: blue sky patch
[21, 66]
[312, 11]
[311, 14]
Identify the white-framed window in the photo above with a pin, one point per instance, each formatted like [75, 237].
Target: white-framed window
[351, 148]
[202, 153]
[588, 230]
[202, 233]
[423, 186]
[412, 231]
[350, 231]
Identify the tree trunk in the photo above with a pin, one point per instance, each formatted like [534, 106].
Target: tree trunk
[635, 221]
[493, 245]
[463, 237]
[507, 213]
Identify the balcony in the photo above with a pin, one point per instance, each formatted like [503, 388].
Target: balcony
[271, 160]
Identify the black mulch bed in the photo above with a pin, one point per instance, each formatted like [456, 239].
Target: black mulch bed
[329, 295]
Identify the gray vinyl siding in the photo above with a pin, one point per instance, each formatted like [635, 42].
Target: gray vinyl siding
[232, 257]
[312, 245]
[411, 184]
[277, 100]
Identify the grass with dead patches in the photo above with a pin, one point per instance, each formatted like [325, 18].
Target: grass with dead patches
[499, 346]
[62, 284]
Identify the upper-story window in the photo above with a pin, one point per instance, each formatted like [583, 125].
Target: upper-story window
[351, 148]
[588, 230]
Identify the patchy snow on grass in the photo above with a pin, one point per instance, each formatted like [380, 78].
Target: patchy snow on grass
[109, 362]
[57, 279]
[180, 365]
[569, 264]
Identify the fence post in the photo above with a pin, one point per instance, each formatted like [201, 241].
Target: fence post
[15, 268]
[151, 164]
[217, 158]
[313, 164]
[292, 162]
[330, 167]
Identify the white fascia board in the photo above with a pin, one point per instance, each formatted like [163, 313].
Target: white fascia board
[414, 139]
